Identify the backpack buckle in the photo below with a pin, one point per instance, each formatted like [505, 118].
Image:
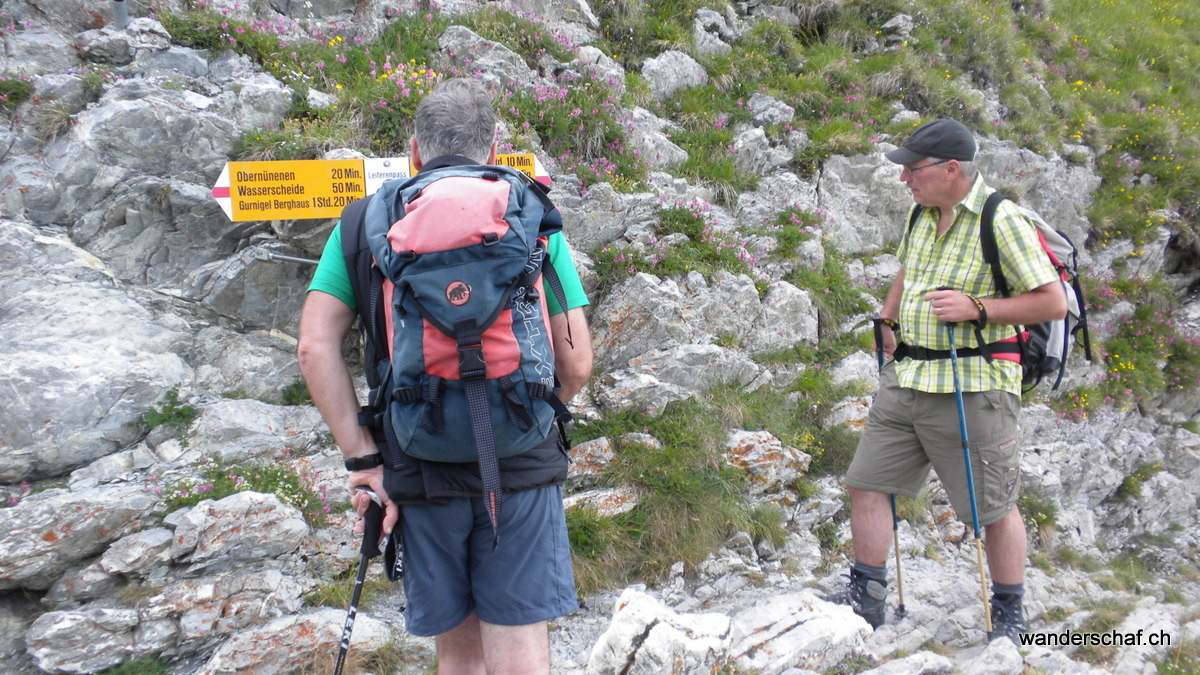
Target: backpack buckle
[471, 365]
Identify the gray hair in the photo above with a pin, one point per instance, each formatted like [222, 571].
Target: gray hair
[967, 168]
[456, 118]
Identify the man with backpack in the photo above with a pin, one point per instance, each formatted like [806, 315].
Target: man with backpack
[482, 579]
[915, 422]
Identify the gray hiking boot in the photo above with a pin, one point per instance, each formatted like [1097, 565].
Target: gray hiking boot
[1008, 618]
[865, 596]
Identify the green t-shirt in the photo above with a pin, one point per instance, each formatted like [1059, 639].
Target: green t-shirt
[333, 278]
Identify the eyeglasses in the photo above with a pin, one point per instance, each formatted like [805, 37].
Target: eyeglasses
[914, 169]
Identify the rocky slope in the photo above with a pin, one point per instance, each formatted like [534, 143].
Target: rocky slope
[125, 284]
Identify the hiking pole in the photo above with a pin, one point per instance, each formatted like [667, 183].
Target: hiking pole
[370, 548]
[899, 574]
[878, 342]
[895, 521]
[120, 14]
[267, 254]
[962, 429]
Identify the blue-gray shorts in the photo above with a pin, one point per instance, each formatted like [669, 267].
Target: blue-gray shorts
[450, 568]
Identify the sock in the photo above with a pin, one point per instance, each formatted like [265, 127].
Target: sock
[871, 571]
[1008, 592]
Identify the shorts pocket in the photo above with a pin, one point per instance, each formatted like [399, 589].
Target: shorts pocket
[1001, 479]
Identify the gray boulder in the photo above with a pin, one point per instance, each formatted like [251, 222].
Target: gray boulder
[77, 394]
[466, 52]
[651, 135]
[243, 527]
[671, 71]
[871, 202]
[36, 50]
[753, 153]
[47, 533]
[294, 642]
[605, 215]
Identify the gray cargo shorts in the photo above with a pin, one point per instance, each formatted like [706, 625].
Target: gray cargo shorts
[909, 431]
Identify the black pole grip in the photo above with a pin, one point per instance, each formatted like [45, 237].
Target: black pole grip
[373, 526]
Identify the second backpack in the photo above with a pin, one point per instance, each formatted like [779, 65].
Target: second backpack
[471, 372]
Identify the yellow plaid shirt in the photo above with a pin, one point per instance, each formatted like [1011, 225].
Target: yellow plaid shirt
[955, 260]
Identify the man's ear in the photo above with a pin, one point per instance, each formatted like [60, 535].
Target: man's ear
[492, 154]
[415, 154]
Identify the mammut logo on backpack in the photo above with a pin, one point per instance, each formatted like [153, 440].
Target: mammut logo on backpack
[458, 293]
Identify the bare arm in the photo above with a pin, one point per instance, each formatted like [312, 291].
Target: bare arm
[573, 354]
[324, 323]
[891, 310]
[1044, 303]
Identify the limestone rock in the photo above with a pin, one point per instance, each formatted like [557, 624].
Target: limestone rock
[466, 53]
[295, 642]
[770, 464]
[245, 526]
[645, 636]
[78, 394]
[46, 533]
[671, 71]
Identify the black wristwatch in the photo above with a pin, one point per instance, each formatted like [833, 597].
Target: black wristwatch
[364, 463]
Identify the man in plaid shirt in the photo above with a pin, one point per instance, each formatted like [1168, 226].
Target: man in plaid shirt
[913, 423]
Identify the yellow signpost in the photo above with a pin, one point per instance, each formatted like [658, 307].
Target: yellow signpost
[318, 188]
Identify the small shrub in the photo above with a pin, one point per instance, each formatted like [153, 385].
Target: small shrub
[1057, 614]
[1131, 573]
[851, 665]
[146, 665]
[575, 119]
[805, 488]
[827, 536]
[296, 393]
[23, 490]
[706, 250]
[14, 92]
[216, 33]
[1067, 557]
[1104, 617]
[913, 510]
[1131, 487]
[49, 121]
[174, 413]
[526, 36]
[794, 227]
[690, 498]
[767, 523]
[1182, 659]
[591, 534]
[337, 591]
[1039, 516]
[218, 481]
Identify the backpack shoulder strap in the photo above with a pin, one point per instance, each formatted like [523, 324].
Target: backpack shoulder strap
[987, 240]
[354, 245]
[913, 216]
[367, 282]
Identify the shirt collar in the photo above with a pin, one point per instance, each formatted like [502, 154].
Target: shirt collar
[442, 161]
[976, 196]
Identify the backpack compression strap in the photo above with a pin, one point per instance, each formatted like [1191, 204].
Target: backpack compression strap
[473, 370]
